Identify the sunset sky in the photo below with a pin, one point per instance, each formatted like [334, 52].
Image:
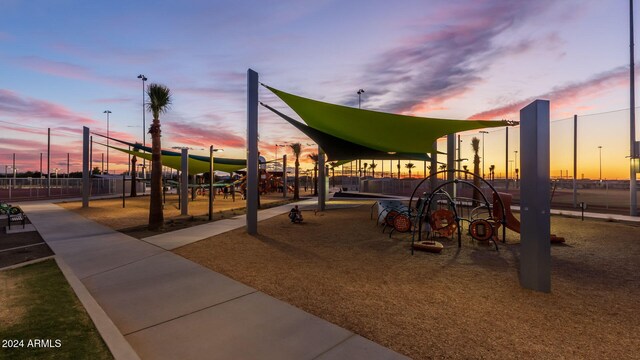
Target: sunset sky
[63, 63]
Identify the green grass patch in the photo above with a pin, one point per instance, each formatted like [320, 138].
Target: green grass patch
[43, 319]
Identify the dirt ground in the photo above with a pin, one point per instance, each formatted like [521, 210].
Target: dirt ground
[19, 247]
[11, 311]
[134, 217]
[462, 303]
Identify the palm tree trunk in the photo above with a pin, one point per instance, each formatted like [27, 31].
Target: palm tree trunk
[156, 216]
[296, 185]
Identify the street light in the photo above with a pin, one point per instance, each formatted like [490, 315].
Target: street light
[144, 133]
[360, 92]
[483, 132]
[276, 163]
[600, 149]
[107, 112]
[211, 175]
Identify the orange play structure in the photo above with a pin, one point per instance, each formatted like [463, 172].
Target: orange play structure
[512, 223]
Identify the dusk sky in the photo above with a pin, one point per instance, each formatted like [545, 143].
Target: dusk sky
[64, 62]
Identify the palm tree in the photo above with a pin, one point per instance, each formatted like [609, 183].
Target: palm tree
[398, 169]
[365, 169]
[373, 169]
[409, 166]
[475, 145]
[492, 174]
[314, 157]
[443, 167]
[334, 165]
[297, 148]
[465, 167]
[159, 101]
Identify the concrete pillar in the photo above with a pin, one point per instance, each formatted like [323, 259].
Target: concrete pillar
[184, 182]
[252, 152]
[535, 235]
[434, 165]
[86, 176]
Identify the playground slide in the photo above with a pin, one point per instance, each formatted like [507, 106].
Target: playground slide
[513, 223]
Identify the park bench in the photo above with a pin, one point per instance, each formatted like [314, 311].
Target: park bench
[16, 215]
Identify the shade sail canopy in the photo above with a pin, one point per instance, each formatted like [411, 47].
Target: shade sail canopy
[377, 130]
[339, 149]
[197, 164]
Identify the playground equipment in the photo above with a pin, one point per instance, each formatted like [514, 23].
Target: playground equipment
[511, 222]
[443, 213]
[446, 209]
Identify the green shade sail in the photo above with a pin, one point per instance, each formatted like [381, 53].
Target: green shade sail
[217, 161]
[338, 149]
[377, 130]
[197, 164]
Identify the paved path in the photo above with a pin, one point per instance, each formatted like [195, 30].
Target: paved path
[168, 307]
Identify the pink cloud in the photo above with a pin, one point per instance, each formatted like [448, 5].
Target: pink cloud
[203, 136]
[5, 36]
[16, 107]
[70, 71]
[566, 95]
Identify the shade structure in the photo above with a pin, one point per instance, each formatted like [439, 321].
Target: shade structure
[377, 130]
[339, 149]
[197, 164]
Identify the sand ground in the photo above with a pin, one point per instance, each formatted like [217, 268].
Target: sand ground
[463, 303]
[134, 217]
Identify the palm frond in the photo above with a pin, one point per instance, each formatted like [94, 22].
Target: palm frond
[159, 99]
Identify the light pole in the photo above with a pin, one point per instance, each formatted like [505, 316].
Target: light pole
[600, 150]
[211, 176]
[107, 112]
[483, 132]
[144, 127]
[360, 92]
[515, 159]
[276, 162]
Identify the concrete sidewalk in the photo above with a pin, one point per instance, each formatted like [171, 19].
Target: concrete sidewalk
[168, 307]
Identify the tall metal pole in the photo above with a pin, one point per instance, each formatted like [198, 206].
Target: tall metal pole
[211, 183]
[48, 161]
[575, 161]
[506, 160]
[600, 150]
[252, 152]
[633, 191]
[41, 174]
[14, 167]
[85, 166]
[68, 173]
[483, 132]
[284, 175]
[322, 184]
[107, 112]
[144, 129]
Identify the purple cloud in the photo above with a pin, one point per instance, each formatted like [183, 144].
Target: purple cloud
[446, 62]
[563, 95]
